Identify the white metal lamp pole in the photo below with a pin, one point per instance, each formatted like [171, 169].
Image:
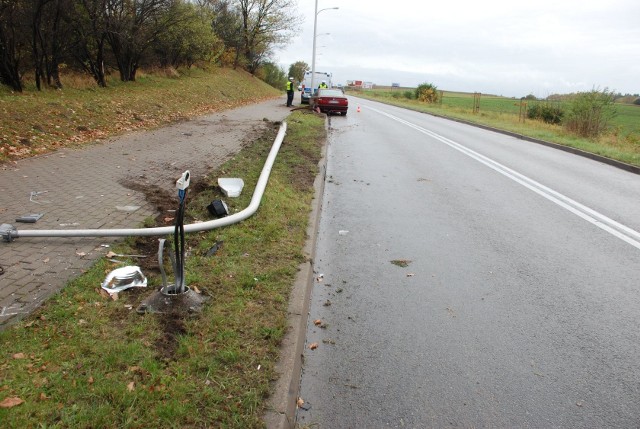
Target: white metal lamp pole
[313, 57]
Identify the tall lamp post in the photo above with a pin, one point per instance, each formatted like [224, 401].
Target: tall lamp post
[313, 58]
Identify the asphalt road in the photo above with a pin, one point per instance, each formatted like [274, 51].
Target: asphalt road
[469, 279]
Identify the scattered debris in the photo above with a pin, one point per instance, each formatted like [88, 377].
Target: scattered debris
[218, 208]
[327, 303]
[127, 208]
[401, 262]
[320, 278]
[232, 187]
[313, 346]
[410, 274]
[111, 254]
[30, 218]
[215, 248]
[35, 194]
[317, 322]
[343, 232]
[300, 403]
[124, 278]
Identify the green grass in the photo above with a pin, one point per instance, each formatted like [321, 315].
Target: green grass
[622, 143]
[86, 361]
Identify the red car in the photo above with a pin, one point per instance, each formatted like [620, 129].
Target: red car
[330, 101]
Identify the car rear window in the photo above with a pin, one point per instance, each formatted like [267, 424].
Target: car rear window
[331, 93]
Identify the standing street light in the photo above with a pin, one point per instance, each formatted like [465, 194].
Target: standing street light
[313, 58]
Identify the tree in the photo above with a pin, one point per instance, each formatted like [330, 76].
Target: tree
[48, 34]
[89, 37]
[190, 39]
[273, 75]
[265, 25]
[227, 24]
[12, 42]
[297, 70]
[132, 26]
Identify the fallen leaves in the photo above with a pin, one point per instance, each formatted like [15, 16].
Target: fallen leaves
[313, 346]
[401, 262]
[11, 402]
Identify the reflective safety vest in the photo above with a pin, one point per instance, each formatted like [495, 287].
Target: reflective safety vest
[289, 86]
[323, 85]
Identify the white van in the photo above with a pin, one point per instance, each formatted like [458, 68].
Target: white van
[307, 91]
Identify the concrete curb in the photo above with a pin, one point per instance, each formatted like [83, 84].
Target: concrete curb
[281, 406]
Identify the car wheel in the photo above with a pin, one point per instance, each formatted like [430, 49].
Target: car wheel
[343, 113]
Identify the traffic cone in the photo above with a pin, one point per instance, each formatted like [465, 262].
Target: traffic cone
[358, 109]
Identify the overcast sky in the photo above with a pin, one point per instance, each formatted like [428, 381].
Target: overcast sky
[504, 47]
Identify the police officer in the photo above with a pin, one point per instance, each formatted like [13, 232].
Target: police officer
[323, 84]
[290, 92]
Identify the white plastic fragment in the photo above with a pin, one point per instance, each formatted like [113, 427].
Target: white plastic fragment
[231, 186]
[124, 278]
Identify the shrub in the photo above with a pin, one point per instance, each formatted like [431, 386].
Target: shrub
[427, 93]
[546, 112]
[590, 113]
[410, 95]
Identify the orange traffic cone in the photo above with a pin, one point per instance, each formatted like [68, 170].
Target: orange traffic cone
[358, 109]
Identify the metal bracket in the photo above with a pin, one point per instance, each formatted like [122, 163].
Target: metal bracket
[30, 218]
[6, 230]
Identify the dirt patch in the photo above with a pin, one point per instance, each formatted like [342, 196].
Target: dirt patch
[172, 327]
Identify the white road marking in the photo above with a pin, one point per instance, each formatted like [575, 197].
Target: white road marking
[603, 222]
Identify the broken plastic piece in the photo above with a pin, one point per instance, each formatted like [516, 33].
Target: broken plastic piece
[218, 208]
[35, 194]
[215, 248]
[124, 278]
[183, 182]
[30, 218]
[231, 186]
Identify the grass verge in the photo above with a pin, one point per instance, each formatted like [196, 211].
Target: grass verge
[621, 144]
[84, 360]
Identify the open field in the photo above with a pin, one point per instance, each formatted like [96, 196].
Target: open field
[621, 143]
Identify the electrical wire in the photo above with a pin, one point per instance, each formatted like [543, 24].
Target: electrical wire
[178, 239]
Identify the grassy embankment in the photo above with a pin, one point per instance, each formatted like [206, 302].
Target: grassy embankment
[84, 360]
[35, 122]
[622, 143]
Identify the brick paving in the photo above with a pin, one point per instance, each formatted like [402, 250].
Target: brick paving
[82, 189]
